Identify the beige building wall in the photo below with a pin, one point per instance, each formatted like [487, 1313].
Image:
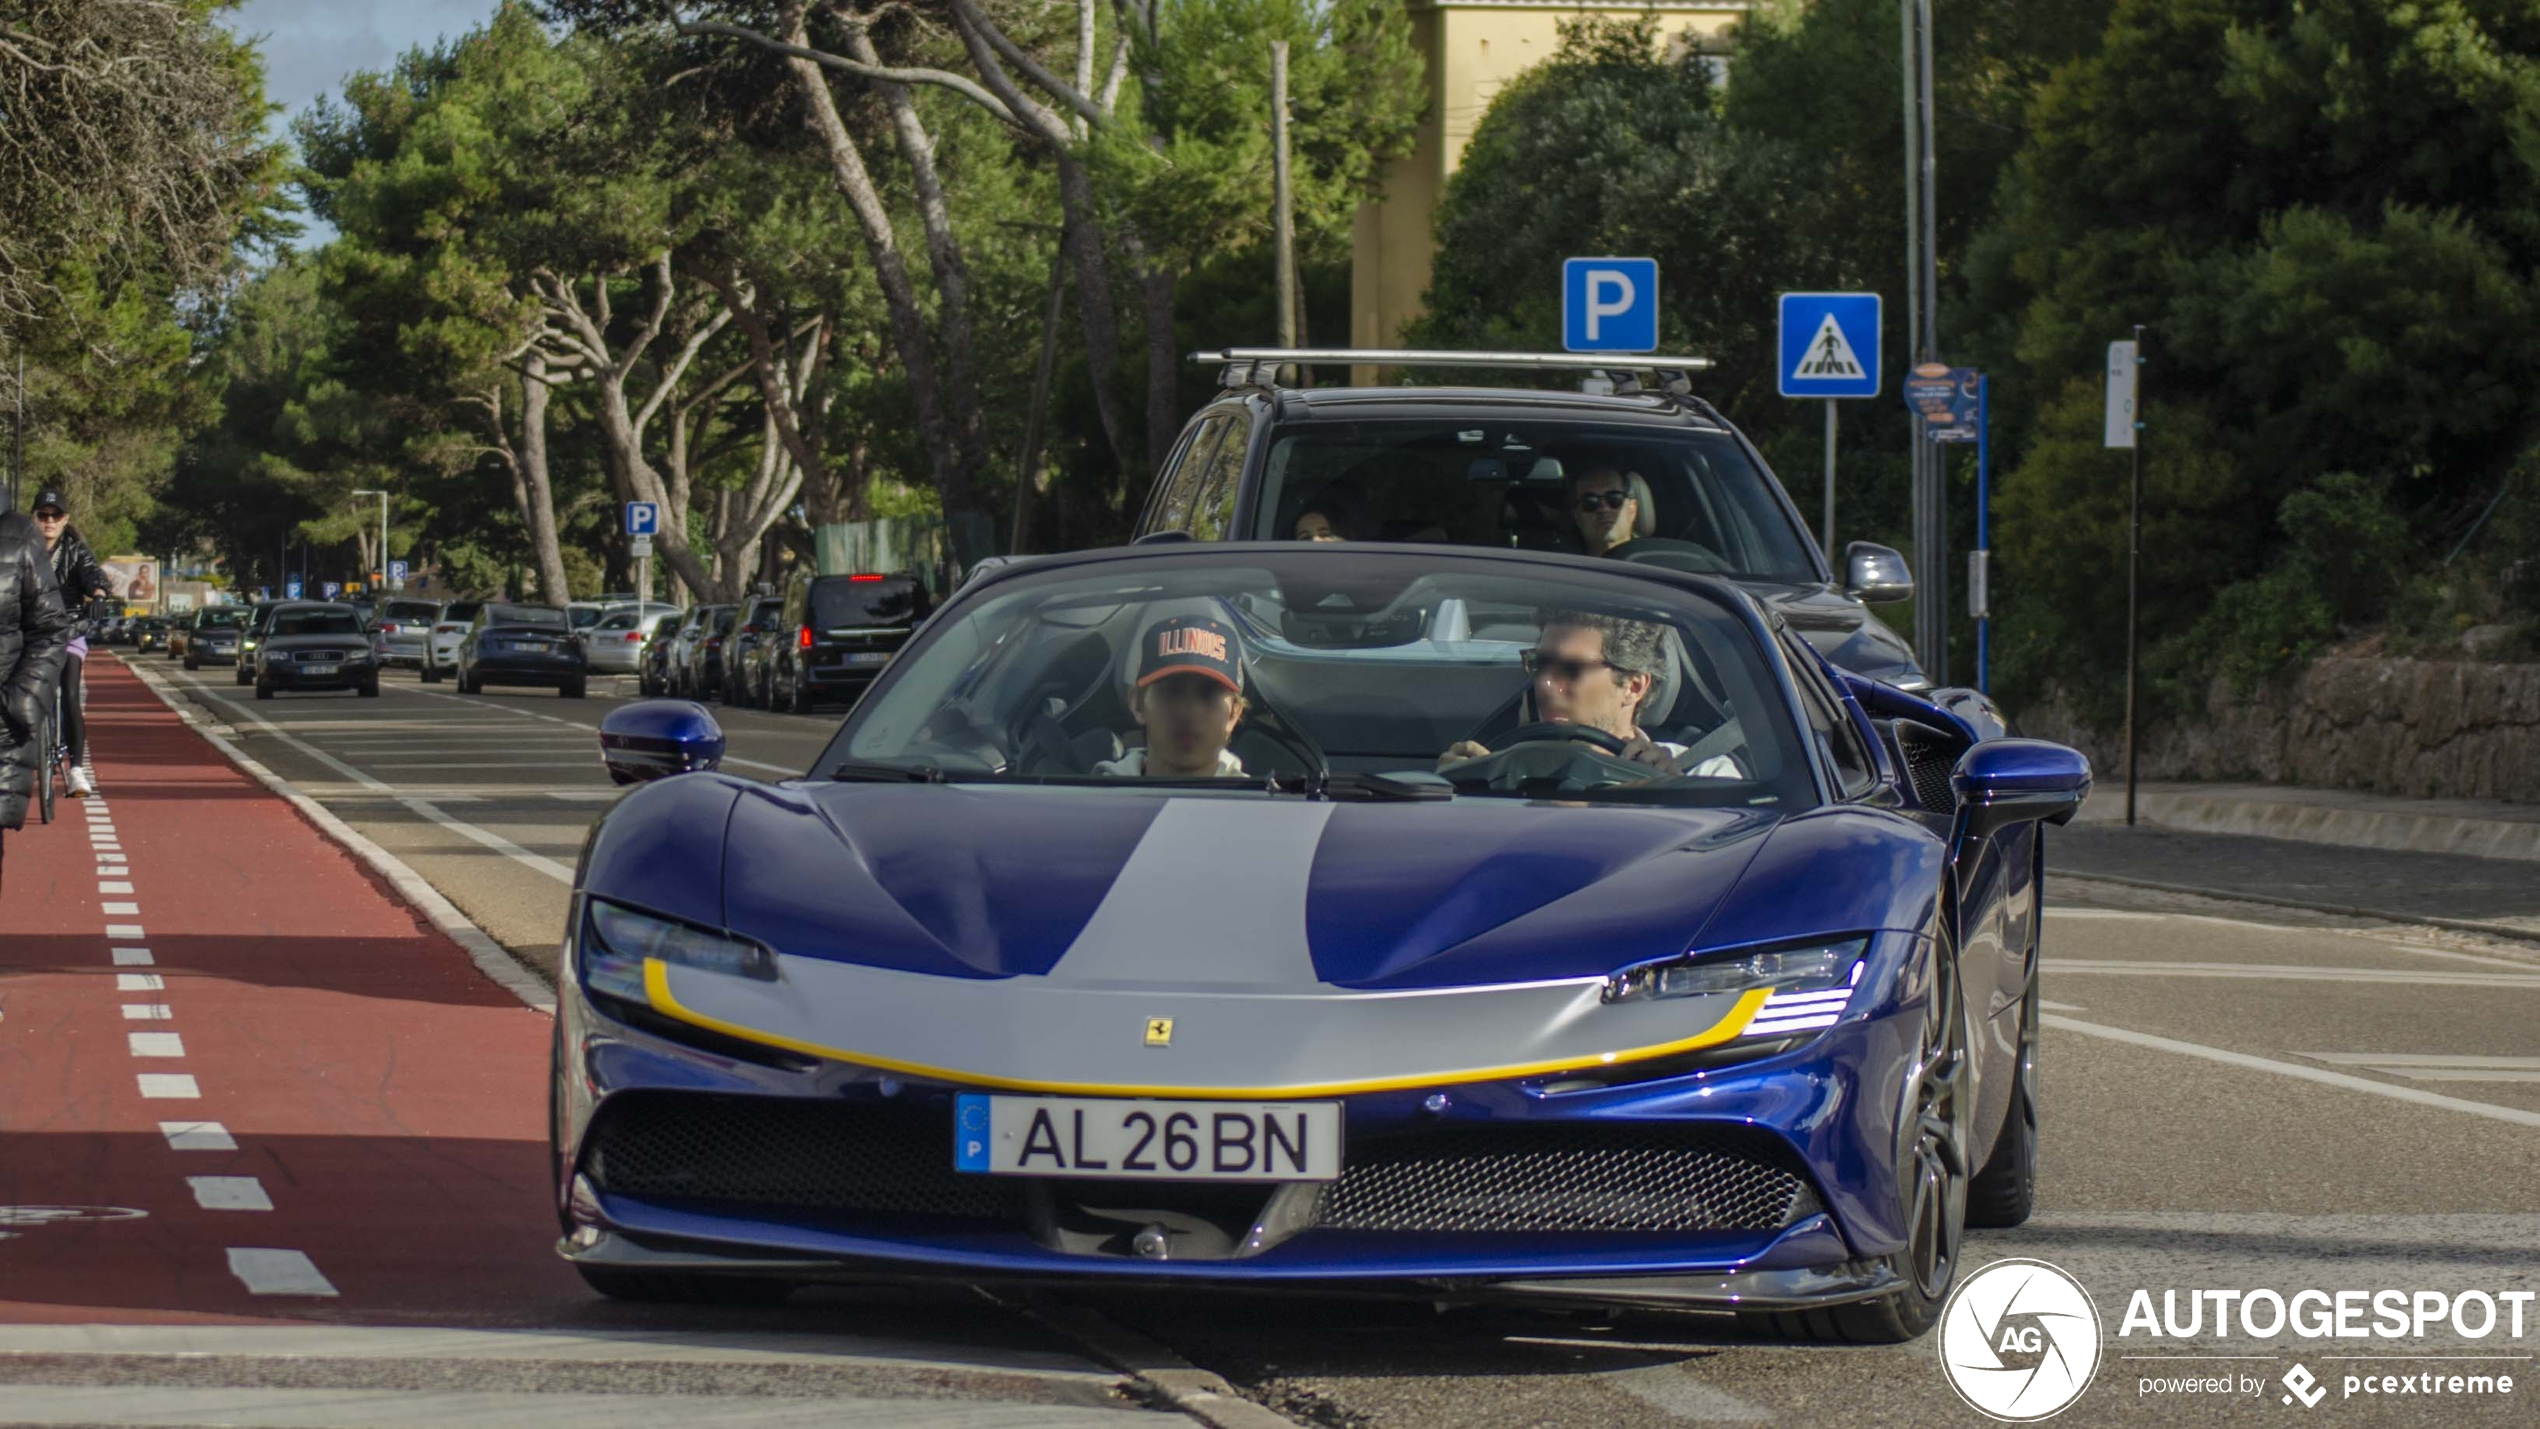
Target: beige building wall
[1472, 49]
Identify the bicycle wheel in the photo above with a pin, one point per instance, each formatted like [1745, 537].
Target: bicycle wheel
[51, 753]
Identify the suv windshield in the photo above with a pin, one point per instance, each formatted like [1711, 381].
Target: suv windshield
[1512, 483]
[1411, 675]
[842, 602]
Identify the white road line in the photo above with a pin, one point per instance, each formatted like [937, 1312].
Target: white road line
[113, 886]
[277, 1272]
[2515, 1115]
[146, 1012]
[133, 957]
[2060, 1006]
[197, 1136]
[120, 910]
[139, 982]
[2289, 972]
[155, 1044]
[300, 1345]
[2436, 1066]
[108, 870]
[461, 827]
[230, 1193]
[125, 930]
[170, 1086]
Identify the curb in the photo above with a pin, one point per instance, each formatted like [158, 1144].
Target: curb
[2348, 910]
[1173, 1381]
[2395, 830]
[490, 957]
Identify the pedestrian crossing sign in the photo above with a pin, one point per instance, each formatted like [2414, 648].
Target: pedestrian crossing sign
[1830, 344]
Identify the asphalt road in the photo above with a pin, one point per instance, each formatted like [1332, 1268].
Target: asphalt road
[2234, 1098]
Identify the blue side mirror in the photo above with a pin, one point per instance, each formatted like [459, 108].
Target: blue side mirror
[654, 739]
[2001, 782]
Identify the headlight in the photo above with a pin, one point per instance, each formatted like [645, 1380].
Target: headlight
[1809, 986]
[251, 644]
[619, 940]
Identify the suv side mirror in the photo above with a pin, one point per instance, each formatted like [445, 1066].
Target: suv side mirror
[2001, 782]
[1876, 574]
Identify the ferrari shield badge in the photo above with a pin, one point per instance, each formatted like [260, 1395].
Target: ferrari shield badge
[1159, 1031]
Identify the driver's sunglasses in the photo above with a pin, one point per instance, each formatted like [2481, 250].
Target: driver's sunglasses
[1560, 667]
[1609, 500]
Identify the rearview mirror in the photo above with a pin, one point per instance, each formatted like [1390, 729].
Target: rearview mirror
[2001, 782]
[654, 739]
[1876, 574]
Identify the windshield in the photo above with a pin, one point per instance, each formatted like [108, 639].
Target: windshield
[408, 610]
[842, 602]
[212, 619]
[1517, 484]
[546, 615]
[1485, 677]
[317, 622]
[460, 612]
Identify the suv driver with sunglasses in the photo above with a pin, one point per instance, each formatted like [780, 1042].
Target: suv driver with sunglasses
[1595, 670]
[1611, 508]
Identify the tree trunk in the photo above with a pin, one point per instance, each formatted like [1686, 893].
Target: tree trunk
[1094, 311]
[538, 490]
[1164, 387]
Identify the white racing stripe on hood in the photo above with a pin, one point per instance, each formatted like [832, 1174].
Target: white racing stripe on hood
[1213, 896]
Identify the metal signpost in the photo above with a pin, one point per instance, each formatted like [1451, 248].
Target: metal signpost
[1609, 304]
[643, 518]
[1830, 349]
[2124, 429]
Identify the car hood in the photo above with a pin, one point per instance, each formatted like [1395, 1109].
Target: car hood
[315, 642]
[1044, 938]
[1843, 630]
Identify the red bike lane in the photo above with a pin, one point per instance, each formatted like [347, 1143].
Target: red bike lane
[240, 1081]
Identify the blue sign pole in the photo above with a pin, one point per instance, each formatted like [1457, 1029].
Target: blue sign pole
[1984, 533]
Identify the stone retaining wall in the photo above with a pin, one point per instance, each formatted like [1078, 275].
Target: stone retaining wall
[2420, 729]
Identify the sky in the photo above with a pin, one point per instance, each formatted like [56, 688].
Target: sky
[310, 45]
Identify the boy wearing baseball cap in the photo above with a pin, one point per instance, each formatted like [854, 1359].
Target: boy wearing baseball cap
[1189, 695]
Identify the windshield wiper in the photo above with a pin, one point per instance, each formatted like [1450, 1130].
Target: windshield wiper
[1408, 786]
[902, 773]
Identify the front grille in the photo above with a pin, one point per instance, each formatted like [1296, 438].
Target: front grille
[1606, 1177]
[878, 1158]
[322, 657]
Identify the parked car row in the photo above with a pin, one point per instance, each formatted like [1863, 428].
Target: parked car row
[820, 642]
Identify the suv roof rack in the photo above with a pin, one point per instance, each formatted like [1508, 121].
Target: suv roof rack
[1259, 366]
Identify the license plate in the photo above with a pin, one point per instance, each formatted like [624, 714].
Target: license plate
[1147, 1140]
[319, 669]
[533, 647]
[875, 658]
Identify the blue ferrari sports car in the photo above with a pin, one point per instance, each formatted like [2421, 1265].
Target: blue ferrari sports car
[1440, 921]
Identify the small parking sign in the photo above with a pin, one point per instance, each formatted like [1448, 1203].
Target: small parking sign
[643, 518]
[1609, 304]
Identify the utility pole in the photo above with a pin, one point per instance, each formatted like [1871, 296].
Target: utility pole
[1922, 326]
[2133, 567]
[1283, 243]
[17, 437]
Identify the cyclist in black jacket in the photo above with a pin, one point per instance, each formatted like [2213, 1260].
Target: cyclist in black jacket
[81, 579]
[34, 629]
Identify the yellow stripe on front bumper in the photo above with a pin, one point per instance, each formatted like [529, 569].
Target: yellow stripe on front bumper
[657, 989]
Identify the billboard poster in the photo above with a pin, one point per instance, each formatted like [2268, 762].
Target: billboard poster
[133, 579]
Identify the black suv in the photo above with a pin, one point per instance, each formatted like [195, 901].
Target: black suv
[1495, 467]
[837, 632]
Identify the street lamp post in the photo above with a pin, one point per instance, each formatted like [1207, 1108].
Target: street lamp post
[383, 531]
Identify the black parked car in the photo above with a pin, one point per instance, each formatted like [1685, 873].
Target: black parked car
[315, 645]
[745, 653]
[843, 630]
[1509, 467]
[212, 638]
[652, 669]
[521, 645]
[701, 672]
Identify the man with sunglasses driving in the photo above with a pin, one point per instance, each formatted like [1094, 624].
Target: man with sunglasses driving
[1611, 508]
[1593, 670]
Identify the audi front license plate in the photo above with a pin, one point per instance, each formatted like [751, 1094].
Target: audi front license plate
[1157, 1140]
[318, 669]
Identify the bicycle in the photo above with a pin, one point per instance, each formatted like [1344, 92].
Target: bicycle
[56, 754]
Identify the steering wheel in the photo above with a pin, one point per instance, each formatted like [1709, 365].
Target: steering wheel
[1539, 731]
[1668, 553]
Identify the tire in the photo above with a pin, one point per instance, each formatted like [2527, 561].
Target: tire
[44, 744]
[1934, 1191]
[370, 688]
[431, 674]
[264, 689]
[469, 685]
[190, 663]
[246, 678]
[798, 700]
[2004, 1191]
[657, 1287]
[575, 689]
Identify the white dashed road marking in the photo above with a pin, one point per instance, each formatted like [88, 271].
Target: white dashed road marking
[139, 982]
[197, 1136]
[146, 1012]
[170, 1086]
[125, 930]
[121, 910]
[2517, 1115]
[277, 1272]
[133, 958]
[109, 887]
[156, 1044]
[231, 1193]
